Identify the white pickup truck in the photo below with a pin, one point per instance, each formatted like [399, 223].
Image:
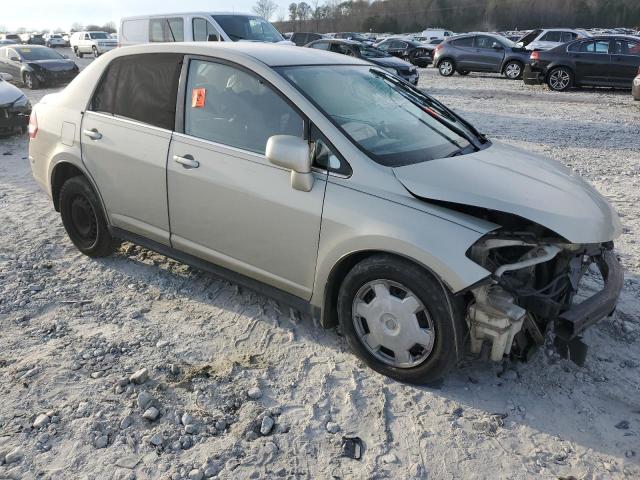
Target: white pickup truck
[94, 43]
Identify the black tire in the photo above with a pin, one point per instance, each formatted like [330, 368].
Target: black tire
[95, 52]
[448, 325]
[31, 81]
[560, 79]
[83, 218]
[446, 67]
[78, 53]
[463, 72]
[513, 70]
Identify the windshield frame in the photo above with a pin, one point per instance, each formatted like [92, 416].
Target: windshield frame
[438, 111]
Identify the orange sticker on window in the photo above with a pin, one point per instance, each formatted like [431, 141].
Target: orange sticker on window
[198, 97]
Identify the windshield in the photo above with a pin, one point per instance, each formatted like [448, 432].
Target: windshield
[370, 52]
[28, 53]
[99, 35]
[244, 27]
[394, 123]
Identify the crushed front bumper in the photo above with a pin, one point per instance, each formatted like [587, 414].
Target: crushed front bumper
[571, 323]
[532, 77]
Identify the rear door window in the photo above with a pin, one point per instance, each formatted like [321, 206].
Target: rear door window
[484, 42]
[142, 88]
[552, 37]
[463, 42]
[321, 45]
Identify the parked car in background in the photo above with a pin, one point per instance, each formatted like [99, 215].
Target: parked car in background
[378, 57]
[605, 61]
[480, 52]
[36, 66]
[15, 108]
[7, 42]
[92, 43]
[14, 37]
[635, 90]
[302, 38]
[67, 39]
[409, 50]
[198, 27]
[53, 40]
[358, 37]
[35, 39]
[432, 235]
[547, 38]
[434, 33]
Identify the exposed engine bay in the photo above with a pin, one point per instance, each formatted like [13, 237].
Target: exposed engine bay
[535, 278]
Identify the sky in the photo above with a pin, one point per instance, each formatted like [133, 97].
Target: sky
[49, 15]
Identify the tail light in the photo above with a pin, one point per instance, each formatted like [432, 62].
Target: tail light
[33, 125]
[535, 56]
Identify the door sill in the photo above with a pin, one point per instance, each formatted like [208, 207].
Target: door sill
[297, 303]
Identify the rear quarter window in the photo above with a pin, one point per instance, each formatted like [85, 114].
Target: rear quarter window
[141, 87]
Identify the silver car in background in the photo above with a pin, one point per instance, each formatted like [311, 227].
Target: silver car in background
[371, 205]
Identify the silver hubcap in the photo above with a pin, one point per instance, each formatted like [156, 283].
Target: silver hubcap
[393, 324]
[513, 70]
[446, 68]
[559, 79]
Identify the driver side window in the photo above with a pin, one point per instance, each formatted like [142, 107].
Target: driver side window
[232, 107]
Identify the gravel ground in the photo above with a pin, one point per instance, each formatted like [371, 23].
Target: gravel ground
[136, 366]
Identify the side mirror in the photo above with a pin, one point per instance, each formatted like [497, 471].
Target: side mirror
[15, 59]
[6, 76]
[292, 153]
[496, 46]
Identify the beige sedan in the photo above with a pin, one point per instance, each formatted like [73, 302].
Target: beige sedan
[333, 185]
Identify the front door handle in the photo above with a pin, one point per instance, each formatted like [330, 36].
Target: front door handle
[187, 161]
[93, 134]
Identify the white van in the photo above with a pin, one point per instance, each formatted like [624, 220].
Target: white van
[198, 27]
[436, 34]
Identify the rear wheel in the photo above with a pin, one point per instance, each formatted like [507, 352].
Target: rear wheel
[446, 67]
[513, 70]
[560, 79]
[78, 53]
[83, 218]
[96, 54]
[396, 318]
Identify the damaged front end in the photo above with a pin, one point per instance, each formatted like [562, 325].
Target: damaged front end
[534, 281]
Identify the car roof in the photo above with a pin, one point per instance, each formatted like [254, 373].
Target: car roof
[270, 54]
[169, 14]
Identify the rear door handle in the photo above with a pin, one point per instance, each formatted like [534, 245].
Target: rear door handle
[187, 161]
[93, 134]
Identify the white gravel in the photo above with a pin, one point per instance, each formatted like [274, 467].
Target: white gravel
[209, 346]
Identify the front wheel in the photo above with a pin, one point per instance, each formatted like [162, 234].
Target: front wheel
[560, 79]
[96, 54]
[513, 70]
[83, 218]
[31, 81]
[446, 67]
[397, 318]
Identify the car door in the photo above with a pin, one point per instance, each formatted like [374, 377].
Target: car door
[591, 61]
[14, 64]
[227, 203]
[625, 60]
[398, 48]
[489, 53]
[125, 138]
[463, 53]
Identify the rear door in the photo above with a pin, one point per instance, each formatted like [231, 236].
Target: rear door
[126, 133]
[463, 53]
[227, 203]
[489, 53]
[591, 61]
[625, 60]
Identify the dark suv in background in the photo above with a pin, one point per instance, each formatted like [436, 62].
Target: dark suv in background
[302, 38]
[604, 61]
[480, 52]
[413, 52]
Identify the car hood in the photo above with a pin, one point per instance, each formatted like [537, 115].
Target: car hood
[8, 93]
[390, 61]
[511, 180]
[53, 64]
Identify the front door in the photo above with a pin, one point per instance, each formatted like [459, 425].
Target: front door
[125, 137]
[227, 203]
[489, 54]
[625, 60]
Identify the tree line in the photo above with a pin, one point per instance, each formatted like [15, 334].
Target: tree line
[457, 15]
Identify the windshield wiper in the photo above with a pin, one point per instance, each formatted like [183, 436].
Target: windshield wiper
[237, 37]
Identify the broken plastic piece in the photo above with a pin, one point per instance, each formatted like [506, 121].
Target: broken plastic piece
[352, 447]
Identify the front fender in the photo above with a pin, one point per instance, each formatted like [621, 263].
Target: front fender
[371, 223]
